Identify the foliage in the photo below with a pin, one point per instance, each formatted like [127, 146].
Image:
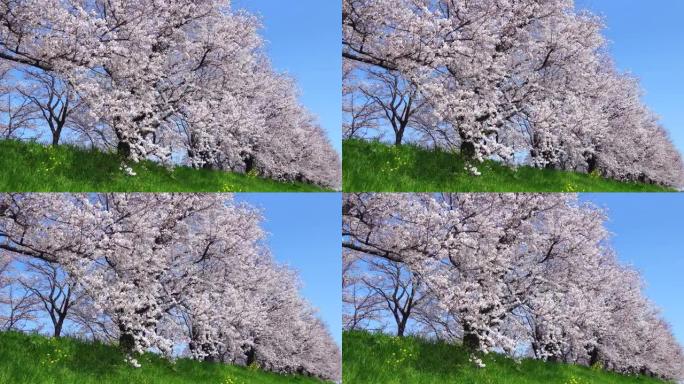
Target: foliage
[29, 359]
[365, 359]
[373, 166]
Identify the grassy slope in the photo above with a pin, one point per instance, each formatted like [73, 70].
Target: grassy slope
[370, 358]
[32, 359]
[376, 167]
[31, 167]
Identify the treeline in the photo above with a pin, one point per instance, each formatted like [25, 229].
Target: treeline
[157, 272]
[501, 79]
[502, 272]
[184, 82]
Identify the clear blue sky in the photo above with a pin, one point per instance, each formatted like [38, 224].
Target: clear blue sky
[304, 233]
[648, 233]
[304, 39]
[647, 39]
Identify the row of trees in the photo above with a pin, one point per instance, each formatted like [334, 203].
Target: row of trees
[498, 79]
[157, 272]
[502, 272]
[182, 79]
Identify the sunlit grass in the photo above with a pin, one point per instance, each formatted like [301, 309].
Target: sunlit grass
[32, 167]
[376, 358]
[371, 166]
[33, 359]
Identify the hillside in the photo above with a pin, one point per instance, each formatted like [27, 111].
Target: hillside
[373, 358]
[33, 359]
[31, 167]
[376, 167]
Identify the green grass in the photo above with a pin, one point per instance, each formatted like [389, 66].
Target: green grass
[32, 167]
[34, 359]
[376, 358]
[371, 166]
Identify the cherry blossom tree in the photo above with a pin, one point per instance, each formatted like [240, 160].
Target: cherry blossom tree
[172, 270]
[381, 289]
[360, 308]
[55, 293]
[360, 113]
[54, 104]
[17, 112]
[515, 271]
[188, 76]
[17, 305]
[385, 95]
[509, 77]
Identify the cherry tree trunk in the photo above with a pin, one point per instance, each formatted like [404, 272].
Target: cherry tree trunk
[123, 149]
[468, 149]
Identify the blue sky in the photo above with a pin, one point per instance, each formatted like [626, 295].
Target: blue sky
[648, 232]
[304, 39]
[304, 233]
[647, 40]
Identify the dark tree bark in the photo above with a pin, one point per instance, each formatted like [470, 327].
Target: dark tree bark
[123, 149]
[468, 150]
